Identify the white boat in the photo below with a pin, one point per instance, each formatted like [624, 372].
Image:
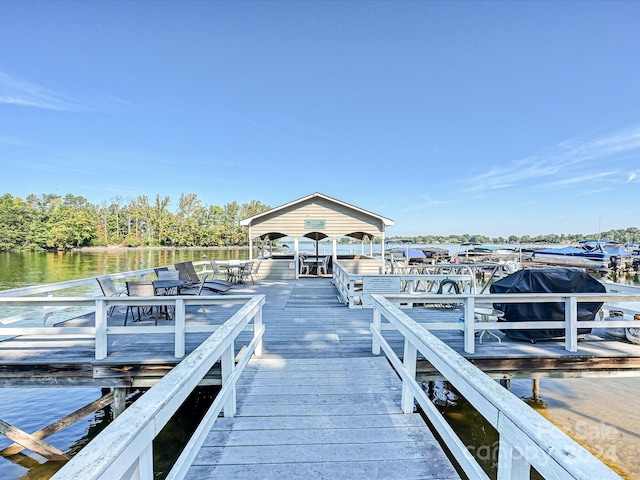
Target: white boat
[487, 253]
[590, 254]
[633, 333]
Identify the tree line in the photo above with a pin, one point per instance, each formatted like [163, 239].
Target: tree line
[54, 222]
[624, 235]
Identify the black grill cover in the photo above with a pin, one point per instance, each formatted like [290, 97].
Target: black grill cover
[551, 280]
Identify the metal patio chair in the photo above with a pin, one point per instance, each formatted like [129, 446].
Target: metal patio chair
[188, 273]
[109, 290]
[140, 289]
[217, 272]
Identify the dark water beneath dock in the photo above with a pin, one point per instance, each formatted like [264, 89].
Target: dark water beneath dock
[599, 413]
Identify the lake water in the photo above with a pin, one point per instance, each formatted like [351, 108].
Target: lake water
[600, 413]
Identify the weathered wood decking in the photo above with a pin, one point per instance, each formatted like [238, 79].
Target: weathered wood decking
[303, 319]
[317, 402]
[329, 418]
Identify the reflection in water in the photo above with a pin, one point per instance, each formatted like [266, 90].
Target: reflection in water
[600, 414]
[480, 438]
[22, 269]
[166, 447]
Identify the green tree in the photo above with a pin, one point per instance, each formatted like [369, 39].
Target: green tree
[15, 221]
[71, 223]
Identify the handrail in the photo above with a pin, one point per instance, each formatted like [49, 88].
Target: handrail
[101, 330]
[349, 284]
[526, 438]
[48, 290]
[570, 322]
[123, 450]
[54, 287]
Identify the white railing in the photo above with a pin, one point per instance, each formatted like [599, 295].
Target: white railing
[124, 450]
[471, 325]
[526, 438]
[43, 306]
[350, 285]
[101, 331]
[47, 291]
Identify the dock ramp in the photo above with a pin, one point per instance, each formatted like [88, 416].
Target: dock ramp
[320, 418]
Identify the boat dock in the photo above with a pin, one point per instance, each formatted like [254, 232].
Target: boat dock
[304, 319]
[315, 399]
[320, 418]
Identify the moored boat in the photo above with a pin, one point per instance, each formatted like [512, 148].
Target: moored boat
[632, 334]
[590, 254]
[487, 253]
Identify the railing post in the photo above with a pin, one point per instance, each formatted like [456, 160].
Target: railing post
[143, 467]
[571, 323]
[410, 285]
[101, 329]
[179, 323]
[409, 360]
[511, 463]
[257, 324]
[48, 319]
[227, 365]
[377, 321]
[351, 293]
[469, 328]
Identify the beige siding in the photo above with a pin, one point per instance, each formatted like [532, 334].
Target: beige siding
[339, 220]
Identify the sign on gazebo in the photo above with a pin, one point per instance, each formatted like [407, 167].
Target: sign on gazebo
[315, 224]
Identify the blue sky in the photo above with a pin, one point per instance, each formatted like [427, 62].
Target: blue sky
[491, 118]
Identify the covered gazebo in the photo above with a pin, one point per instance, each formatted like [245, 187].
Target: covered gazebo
[316, 217]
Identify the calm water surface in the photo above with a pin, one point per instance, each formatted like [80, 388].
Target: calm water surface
[31, 409]
[599, 413]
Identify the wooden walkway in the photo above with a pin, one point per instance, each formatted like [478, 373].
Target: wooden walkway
[334, 418]
[303, 319]
[317, 403]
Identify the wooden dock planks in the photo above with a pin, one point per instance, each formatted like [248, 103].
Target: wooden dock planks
[294, 329]
[333, 418]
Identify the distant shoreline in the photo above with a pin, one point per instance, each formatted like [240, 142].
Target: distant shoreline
[121, 248]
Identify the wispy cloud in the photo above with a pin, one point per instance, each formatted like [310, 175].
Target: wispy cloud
[583, 178]
[559, 164]
[20, 92]
[425, 201]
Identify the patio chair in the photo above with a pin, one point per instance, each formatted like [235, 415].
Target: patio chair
[140, 289]
[163, 273]
[255, 271]
[168, 274]
[245, 272]
[323, 268]
[188, 273]
[195, 290]
[304, 267]
[217, 272]
[109, 290]
[160, 269]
